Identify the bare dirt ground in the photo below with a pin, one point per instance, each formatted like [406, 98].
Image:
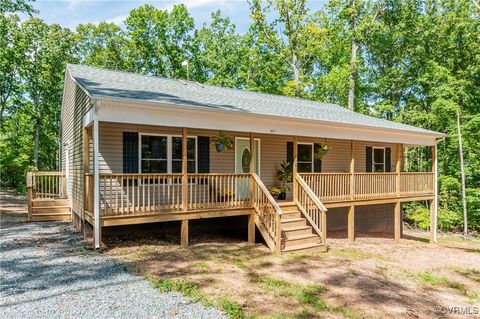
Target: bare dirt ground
[369, 278]
[10, 202]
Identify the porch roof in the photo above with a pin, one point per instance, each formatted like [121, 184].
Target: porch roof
[102, 83]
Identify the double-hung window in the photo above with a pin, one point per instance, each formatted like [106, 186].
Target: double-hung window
[163, 154]
[378, 159]
[154, 157]
[305, 157]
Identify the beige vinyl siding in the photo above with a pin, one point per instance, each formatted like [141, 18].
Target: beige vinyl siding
[75, 105]
[273, 150]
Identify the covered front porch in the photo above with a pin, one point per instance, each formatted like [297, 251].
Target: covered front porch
[189, 179]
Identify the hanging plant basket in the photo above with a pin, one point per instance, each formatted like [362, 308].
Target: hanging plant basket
[222, 142]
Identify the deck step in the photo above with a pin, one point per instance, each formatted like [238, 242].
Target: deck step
[49, 217]
[297, 230]
[288, 206]
[311, 247]
[49, 202]
[297, 235]
[301, 240]
[50, 209]
[291, 214]
[290, 222]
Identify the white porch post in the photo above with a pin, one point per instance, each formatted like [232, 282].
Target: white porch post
[351, 208]
[294, 168]
[434, 203]
[97, 233]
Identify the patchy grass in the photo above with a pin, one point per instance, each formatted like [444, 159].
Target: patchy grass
[433, 280]
[231, 308]
[469, 273]
[429, 279]
[351, 280]
[182, 286]
[298, 257]
[354, 254]
[240, 265]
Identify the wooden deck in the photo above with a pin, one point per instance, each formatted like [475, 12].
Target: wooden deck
[138, 197]
[126, 199]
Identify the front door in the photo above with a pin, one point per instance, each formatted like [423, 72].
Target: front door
[242, 155]
[242, 164]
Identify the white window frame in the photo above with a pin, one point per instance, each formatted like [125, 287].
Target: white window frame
[312, 159]
[169, 150]
[373, 159]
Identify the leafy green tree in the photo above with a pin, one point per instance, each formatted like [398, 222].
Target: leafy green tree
[101, 45]
[159, 40]
[295, 44]
[13, 6]
[11, 60]
[47, 49]
[219, 53]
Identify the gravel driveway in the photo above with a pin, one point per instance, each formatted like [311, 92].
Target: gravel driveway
[46, 273]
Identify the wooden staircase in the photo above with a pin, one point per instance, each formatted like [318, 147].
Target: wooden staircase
[297, 235]
[49, 209]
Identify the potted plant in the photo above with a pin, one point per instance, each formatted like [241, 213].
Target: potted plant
[321, 151]
[275, 192]
[284, 175]
[222, 141]
[226, 195]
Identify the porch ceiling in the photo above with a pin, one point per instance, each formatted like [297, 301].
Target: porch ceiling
[143, 113]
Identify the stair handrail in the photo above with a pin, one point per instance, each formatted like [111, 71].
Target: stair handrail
[314, 198]
[274, 229]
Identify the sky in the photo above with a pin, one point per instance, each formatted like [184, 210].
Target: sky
[70, 13]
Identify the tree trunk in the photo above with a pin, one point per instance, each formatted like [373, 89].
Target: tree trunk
[462, 173]
[353, 62]
[296, 75]
[37, 138]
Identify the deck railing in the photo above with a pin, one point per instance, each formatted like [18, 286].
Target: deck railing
[211, 191]
[412, 183]
[311, 207]
[268, 211]
[123, 194]
[375, 185]
[333, 187]
[48, 185]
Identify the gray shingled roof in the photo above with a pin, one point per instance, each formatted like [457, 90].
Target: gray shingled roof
[107, 83]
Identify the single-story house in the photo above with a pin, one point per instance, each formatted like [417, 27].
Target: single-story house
[142, 149]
